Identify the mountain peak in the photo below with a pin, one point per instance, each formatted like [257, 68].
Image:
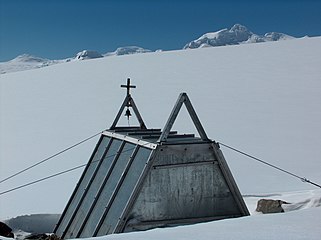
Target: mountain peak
[238, 28]
[127, 50]
[29, 58]
[237, 34]
[88, 54]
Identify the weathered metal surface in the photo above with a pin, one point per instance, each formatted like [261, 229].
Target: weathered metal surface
[184, 185]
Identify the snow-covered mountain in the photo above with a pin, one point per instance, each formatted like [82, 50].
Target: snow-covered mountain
[238, 34]
[88, 54]
[26, 62]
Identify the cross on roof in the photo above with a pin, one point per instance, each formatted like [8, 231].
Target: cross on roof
[128, 86]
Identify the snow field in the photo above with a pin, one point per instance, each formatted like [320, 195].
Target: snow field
[263, 99]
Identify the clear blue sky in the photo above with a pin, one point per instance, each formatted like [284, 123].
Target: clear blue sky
[59, 29]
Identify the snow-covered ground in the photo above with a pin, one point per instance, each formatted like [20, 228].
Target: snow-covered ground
[261, 98]
[301, 221]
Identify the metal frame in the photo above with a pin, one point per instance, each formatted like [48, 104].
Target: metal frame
[130, 139]
[183, 98]
[129, 102]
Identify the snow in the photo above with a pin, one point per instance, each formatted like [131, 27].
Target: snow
[294, 225]
[263, 99]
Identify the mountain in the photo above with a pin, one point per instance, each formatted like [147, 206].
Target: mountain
[238, 34]
[87, 54]
[127, 50]
[26, 62]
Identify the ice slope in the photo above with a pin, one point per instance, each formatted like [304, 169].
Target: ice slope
[261, 98]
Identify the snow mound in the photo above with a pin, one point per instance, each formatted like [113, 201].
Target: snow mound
[236, 35]
[34, 223]
[297, 200]
[88, 54]
[127, 50]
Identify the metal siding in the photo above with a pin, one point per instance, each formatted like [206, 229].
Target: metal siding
[184, 183]
[184, 153]
[147, 188]
[123, 195]
[85, 181]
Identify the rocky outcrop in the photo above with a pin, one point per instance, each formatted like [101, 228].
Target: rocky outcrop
[270, 206]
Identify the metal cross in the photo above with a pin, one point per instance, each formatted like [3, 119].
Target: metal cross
[128, 86]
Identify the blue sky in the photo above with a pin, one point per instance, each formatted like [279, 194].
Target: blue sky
[59, 29]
